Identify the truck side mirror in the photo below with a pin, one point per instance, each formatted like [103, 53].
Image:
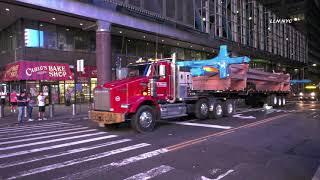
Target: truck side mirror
[162, 70]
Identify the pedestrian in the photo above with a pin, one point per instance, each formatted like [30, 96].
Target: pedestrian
[13, 101]
[22, 103]
[3, 97]
[31, 103]
[42, 106]
[68, 98]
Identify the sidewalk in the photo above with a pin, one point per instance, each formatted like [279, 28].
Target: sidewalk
[61, 112]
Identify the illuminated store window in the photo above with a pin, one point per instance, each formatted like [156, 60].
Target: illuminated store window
[33, 38]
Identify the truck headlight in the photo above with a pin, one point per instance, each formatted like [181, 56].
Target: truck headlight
[301, 94]
[313, 94]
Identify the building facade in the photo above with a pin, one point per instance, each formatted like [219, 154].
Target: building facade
[108, 34]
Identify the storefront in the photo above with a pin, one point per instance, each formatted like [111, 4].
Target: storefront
[56, 80]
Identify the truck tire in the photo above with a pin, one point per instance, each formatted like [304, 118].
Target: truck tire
[284, 101]
[273, 100]
[217, 110]
[279, 100]
[202, 109]
[228, 108]
[144, 120]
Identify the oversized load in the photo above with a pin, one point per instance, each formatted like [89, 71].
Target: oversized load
[166, 89]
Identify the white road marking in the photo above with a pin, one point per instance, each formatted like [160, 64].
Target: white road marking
[250, 110]
[199, 125]
[29, 126]
[44, 133]
[72, 151]
[35, 128]
[108, 167]
[56, 146]
[151, 173]
[77, 161]
[316, 175]
[45, 137]
[219, 177]
[50, 141]
[243, 117]
[12, 134]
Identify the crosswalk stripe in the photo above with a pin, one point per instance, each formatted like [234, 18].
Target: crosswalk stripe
[44, 133]
[108, 167]
[50, 141]
[77, 161]
[27, 126]
[35, 128]
[13, 134]
[45, 137]
[56, 146]
[72, 151]
[151, 173]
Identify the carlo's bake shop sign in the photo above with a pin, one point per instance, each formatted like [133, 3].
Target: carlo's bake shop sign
[51, 70]
[31, 70]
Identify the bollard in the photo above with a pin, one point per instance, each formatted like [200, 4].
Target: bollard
[74, 110]
[1, 111]
[51, 110]
[25, 111]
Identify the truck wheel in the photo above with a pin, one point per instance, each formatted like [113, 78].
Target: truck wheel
[202, 109]
[144, 120]
[279, 99]
[217, 111]
[273, 100]
[228, 108]
[284, 101]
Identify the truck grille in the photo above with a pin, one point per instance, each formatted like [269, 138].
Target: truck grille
[102, 99]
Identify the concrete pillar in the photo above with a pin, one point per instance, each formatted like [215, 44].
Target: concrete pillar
[103, 52]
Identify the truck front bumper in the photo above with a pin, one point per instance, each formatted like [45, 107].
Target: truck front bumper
[104, 117]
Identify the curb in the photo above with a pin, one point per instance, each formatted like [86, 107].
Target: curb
[316, 176]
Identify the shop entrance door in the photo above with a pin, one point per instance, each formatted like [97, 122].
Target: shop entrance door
[52, 92]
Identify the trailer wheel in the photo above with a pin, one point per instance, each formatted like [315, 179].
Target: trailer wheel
[273, 100]
[202, 109]
[217, 110]
[284, 101]
[144, 120]
[279, 101]
[228, 108]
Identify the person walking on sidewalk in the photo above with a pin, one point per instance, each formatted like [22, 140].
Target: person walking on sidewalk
[22, 103]
[42, 106]
[31, 103]
[13, 101]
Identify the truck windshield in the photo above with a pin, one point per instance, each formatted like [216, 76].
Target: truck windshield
[138, 70]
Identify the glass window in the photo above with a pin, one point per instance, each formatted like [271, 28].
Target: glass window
[61, 90]
[80, 40]
[33, 38]
[93, 82]
[49, 36]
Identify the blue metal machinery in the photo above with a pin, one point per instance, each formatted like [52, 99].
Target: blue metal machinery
[221, 62]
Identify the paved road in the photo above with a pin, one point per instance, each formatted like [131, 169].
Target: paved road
[257, 144]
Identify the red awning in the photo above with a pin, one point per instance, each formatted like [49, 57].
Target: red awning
[35, 70]
[89, 72]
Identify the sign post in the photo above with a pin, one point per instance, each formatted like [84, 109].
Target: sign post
[79, 68]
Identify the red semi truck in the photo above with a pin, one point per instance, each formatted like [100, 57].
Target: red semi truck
[164, 90]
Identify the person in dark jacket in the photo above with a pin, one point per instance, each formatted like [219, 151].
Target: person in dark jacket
[22, 104]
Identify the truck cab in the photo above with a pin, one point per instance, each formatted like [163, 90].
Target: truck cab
[139, 91]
